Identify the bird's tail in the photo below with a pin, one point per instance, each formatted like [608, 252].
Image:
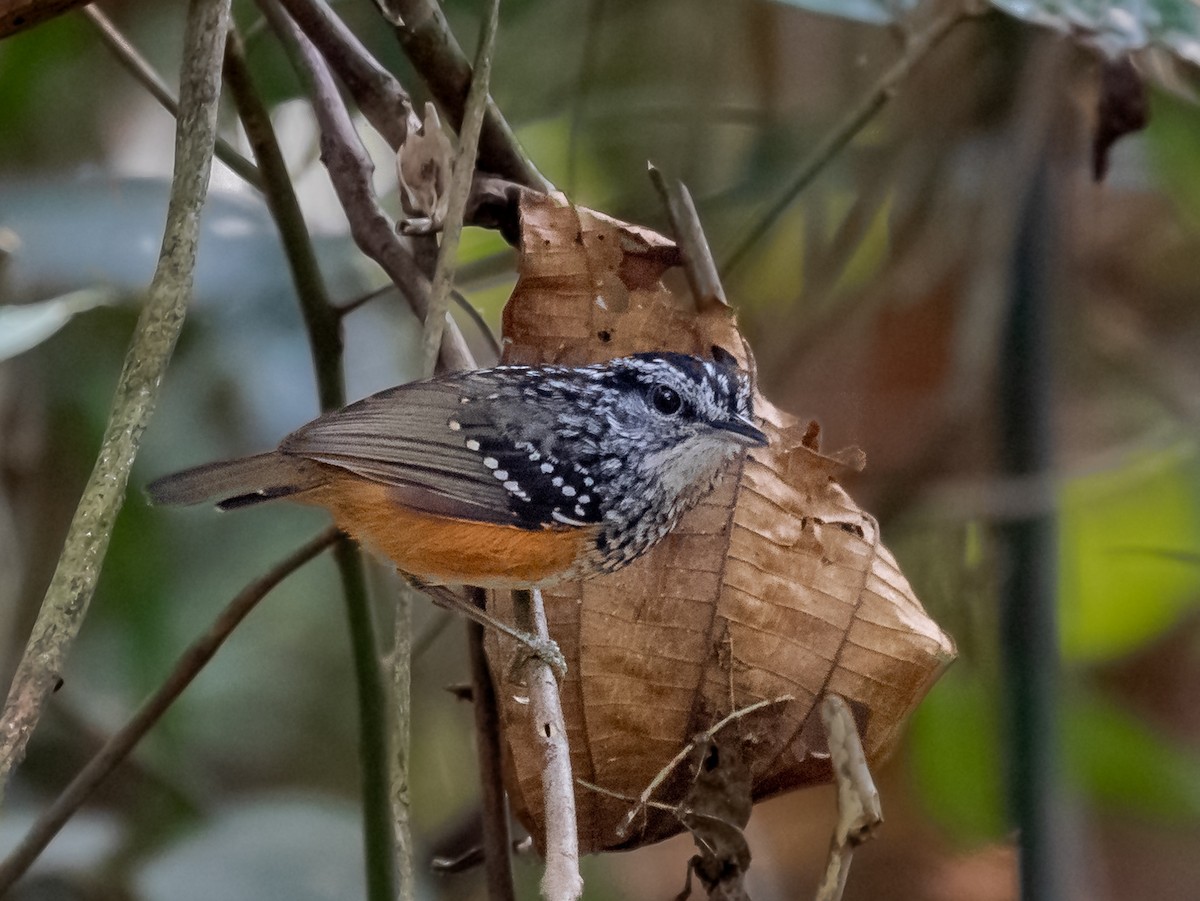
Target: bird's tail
[238, 483]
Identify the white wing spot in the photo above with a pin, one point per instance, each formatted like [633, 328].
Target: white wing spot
[491, 462]
[454, 424]
[556, 481]
[588, 481]
[568, 491]
[501, 474]
[472, 444]
[557, 516]
[547, 468]
[585, 498]
[510, 485]
[579, 511]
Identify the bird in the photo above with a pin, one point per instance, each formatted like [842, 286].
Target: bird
[511, 477]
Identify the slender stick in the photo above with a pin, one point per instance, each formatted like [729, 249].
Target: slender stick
[497, 856]
[137, 66]
[561, 880]
[917, 47]
[858, 808]
[686, 751]
[698, 265]
[460, 188]
[74, 581]
[373, 727]
[421, 28]
[123, 741]
[1028, 623]
[402, 656]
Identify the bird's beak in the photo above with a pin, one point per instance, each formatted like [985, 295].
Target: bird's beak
[745, 431]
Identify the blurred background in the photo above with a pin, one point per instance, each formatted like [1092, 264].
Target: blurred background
[875, 303]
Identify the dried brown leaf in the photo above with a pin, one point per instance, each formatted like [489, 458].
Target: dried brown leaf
[423, 166]
[777, 584]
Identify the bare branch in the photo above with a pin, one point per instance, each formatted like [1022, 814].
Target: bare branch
[421, 28]
[698, 264]
[561, 880]
[497, 859]
[377, 92]
[859, 813]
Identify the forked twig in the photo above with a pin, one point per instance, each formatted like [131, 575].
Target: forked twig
[708, 735]
[859, 812]
[376, 91]
[423, 33]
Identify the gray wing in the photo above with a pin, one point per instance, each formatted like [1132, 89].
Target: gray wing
[415, 438]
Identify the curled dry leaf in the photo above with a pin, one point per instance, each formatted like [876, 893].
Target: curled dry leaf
[423, 165]
[777, 584]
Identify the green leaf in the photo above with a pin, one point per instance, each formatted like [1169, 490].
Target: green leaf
[1117, 26]
[875, 12]
[1120, 762]
[1128, 540]
[954, 751]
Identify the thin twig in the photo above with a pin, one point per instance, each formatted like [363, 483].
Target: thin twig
[621, 796]
[379, 845]
[544, 649]
[425, 36]
[485, 330]
[123, 741]
[402, 656]
[460, 188]
[916, 48]
[497, 857]
[561, 880]
[74, 580]
[376, 91]
[685, 751]
[137, 66]
[698, 263]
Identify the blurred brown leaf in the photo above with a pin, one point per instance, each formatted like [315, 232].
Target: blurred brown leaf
[777, 584]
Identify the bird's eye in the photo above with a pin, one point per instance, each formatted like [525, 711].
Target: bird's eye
[666, 400]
